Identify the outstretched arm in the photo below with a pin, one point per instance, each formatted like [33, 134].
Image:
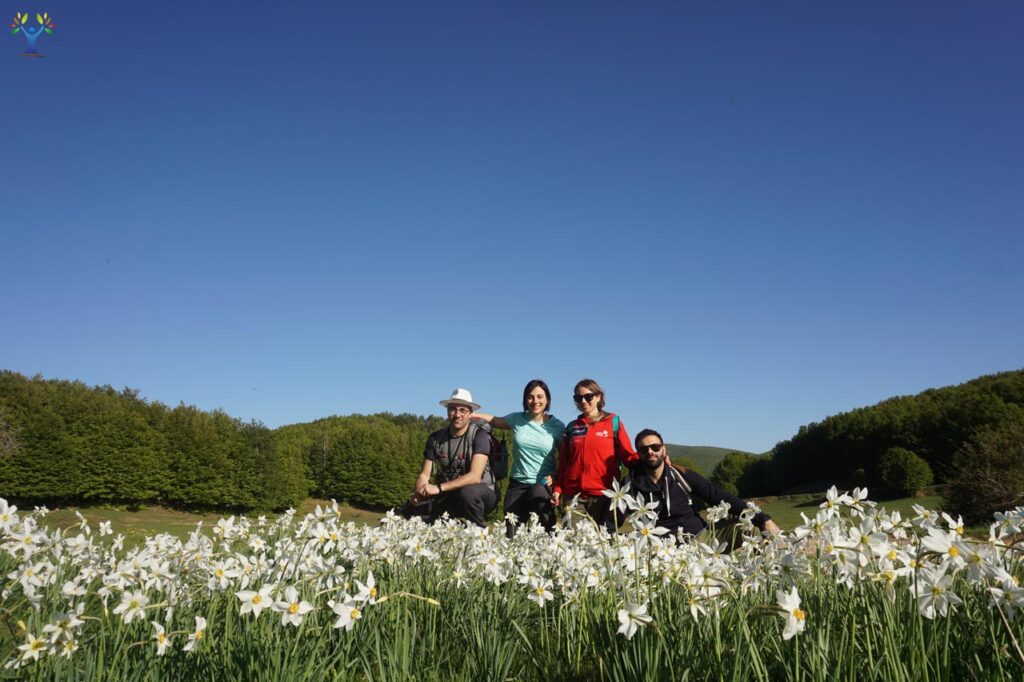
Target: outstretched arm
[712, 494]
[496, 422]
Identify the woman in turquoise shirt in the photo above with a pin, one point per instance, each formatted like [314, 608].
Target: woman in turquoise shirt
[535, 435]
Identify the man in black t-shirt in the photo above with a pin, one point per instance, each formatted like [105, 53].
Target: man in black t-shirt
[459, 457]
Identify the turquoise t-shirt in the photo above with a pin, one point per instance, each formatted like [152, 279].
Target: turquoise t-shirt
[534, 447]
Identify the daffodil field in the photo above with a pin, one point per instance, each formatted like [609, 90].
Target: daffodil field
[856, 592]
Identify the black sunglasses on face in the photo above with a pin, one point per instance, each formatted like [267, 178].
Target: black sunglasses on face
[653, 448]
[588, 397]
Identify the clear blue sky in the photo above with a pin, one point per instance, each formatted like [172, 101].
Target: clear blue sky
[738, 217]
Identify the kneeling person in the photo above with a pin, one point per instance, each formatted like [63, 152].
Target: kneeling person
[656, 479]
[459, 456]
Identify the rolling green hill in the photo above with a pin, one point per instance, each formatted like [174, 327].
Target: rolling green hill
[706, 457]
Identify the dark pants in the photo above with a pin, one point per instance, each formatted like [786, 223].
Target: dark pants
[472, 502]
[523, 499]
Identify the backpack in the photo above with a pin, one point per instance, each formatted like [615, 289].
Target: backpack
[498, 459]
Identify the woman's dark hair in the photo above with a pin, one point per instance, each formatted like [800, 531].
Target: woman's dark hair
[532, 385]
[643, 434]
[593, 387]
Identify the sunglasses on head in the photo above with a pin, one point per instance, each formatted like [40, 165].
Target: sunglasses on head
[652, 448]
[584, 397]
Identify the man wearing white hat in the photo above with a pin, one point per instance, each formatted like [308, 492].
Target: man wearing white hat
[459, 455]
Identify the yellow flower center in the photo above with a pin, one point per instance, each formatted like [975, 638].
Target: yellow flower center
[954, 552]
[256, 599]
[294, 608]
[199, 634]
[161, 638]
[799, 614]
[354, 614]
[892, 555]
[373, 592]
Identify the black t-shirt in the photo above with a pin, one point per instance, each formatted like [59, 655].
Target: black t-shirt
[452, 454]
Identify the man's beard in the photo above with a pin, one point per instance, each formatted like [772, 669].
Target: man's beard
[654, 467]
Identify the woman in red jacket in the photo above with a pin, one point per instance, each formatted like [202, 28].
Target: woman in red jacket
[592, 447]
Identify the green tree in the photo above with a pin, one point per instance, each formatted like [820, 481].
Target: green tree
[903, 472]
[988, 472]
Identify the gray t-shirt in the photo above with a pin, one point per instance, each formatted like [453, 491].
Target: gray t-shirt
[452, 454]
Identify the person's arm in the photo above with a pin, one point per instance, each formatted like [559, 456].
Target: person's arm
[563, 464]
[712, 494]
[477, 466]
[624, 448]
[419, 491]
[496, 422]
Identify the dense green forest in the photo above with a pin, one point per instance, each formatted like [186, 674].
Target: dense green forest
[64, 442]
[894, 445]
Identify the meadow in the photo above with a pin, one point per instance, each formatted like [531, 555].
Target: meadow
[854, 591]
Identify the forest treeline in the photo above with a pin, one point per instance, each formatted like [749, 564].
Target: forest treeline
[925, 437]
[63, 442]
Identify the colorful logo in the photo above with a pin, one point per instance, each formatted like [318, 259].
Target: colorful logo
[32, 33]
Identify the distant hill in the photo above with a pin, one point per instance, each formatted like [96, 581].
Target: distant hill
[706, 457]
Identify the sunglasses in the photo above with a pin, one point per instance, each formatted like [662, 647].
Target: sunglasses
[585, 397]
[654, 448]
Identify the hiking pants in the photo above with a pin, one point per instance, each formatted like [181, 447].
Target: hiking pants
[472, 502]
[522, 499]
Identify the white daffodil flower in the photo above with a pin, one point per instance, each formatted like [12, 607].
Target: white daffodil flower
[796, 618]
[255, 602]
[632, 618]
[291, 608]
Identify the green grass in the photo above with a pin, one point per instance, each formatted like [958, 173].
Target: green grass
[136, 525]
[145, 521]
[786, 510]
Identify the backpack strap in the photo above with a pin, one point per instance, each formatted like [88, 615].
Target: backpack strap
[468, 453]
[678, 476]
[615, 426]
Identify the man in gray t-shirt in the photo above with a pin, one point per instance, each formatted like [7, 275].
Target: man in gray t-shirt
[459, 457]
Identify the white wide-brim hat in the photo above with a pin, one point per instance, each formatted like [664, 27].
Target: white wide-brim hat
[461, 396]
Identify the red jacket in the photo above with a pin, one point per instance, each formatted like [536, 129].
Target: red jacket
[589, 457]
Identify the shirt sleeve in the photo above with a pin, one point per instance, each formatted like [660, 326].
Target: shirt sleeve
[624, 449]
[481, 443]
[712, 494]
[428, 450]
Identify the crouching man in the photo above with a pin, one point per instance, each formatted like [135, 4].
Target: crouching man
[459, 458]
[655, 479]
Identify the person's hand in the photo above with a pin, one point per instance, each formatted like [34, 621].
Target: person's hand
[556, 498]
[421, 487]
[771, 527]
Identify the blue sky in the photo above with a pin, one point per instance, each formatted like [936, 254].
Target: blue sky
[738, 217]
